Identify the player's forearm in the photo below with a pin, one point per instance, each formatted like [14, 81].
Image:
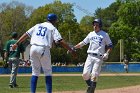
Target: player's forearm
[79, 45]
[109, 50]
[22, 38]
[63, 43]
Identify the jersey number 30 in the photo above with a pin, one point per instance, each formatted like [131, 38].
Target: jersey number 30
[41, 31]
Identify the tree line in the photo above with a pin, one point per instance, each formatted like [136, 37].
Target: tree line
[120, 19]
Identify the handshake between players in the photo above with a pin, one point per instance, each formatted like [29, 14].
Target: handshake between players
[79, 45]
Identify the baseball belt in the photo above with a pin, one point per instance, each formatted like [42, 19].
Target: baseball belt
[95, 54]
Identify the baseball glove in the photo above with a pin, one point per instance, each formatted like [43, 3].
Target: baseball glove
[5, 64]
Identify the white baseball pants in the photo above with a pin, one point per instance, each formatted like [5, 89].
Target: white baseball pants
[40, 57]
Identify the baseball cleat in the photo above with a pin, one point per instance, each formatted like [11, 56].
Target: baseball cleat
[88, 89]
[10, 86]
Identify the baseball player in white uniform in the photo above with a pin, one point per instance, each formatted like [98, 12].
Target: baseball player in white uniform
[42, 36]
[97, 40]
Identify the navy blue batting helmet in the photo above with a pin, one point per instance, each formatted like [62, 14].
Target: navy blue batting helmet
[51, 17]
[98, 20]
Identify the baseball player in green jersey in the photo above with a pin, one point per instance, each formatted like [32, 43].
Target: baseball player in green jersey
[12, 56]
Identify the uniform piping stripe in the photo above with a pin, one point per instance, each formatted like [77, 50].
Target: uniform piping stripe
[28, 34]
[84, 42]
[110, 45]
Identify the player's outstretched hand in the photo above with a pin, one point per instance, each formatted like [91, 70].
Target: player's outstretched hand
[73, 49]
[73, 52]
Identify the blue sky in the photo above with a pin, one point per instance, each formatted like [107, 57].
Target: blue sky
[81, 7]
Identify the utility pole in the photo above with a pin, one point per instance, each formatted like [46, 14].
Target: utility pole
[69, 37]
[121, 49]
[70, 44]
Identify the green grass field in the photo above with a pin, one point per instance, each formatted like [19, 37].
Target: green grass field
[68, 83]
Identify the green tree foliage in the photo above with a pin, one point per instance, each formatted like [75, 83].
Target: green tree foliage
[12, 18]
[129, 13]
[127, 27]
[86, 24]
[115, 54]
[108, 15]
